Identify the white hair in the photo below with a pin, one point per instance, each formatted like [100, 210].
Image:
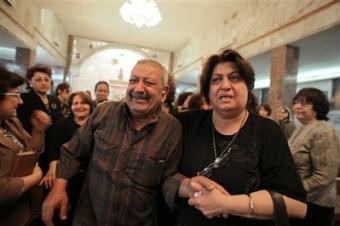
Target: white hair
[154, 63]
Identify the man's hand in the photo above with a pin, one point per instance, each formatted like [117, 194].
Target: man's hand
[191, 187]
[56, 199]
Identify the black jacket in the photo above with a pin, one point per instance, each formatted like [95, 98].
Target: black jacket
[32, 102]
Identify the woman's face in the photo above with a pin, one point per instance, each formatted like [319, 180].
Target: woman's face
[228, 92]
[40, 82]
[65, 94]
[282, 114]
[79, 108]
[263, 112]
[304, 111]
[9, 104]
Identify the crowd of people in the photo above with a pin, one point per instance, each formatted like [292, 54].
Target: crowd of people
[208, 158]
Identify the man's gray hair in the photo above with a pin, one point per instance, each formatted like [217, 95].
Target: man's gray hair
[154, 63]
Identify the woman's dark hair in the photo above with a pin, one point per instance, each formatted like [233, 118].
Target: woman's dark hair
[182, 97]
[228, 55]
[84, 96]
[315, 97]
[266, 107]
[170, 98]
[38, 68]
[9, 80]
[196, 101]
[252, 103]
[61, 87]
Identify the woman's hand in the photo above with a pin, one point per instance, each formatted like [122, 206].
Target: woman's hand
[50, 176]
[40, 121]
[211, 202]
[32, 179]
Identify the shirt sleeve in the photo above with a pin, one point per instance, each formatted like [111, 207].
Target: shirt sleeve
[77, 149]
[172, 180]
[170, 189]
[10, 189]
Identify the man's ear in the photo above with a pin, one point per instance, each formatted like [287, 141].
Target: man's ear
[165, 92]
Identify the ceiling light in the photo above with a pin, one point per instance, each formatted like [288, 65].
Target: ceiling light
[141, 12]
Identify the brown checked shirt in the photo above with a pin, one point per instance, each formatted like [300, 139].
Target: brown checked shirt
[127, 166]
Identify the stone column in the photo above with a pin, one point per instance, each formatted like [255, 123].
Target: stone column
[70, 46]
[25, 58]
[283, 76]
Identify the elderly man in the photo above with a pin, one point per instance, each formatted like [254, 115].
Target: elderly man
[135, 147]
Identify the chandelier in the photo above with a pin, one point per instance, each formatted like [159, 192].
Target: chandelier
[141, 12]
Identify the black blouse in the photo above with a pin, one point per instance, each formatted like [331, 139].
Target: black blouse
[32, 102]
[62, 132]
[259, 159]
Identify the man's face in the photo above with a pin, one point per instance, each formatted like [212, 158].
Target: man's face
[102, 92]
[145, 91]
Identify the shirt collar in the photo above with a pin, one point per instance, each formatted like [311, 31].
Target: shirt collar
[128, 116]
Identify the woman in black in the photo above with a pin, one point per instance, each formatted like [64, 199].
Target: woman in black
[231, 156]
[37, 98]
[81, 107]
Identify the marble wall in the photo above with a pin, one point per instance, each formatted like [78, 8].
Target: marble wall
[261, 26]
[31, 25]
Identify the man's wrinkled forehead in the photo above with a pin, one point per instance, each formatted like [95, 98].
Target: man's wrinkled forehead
[147, 69]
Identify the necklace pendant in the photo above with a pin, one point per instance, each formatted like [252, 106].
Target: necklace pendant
[216, 162]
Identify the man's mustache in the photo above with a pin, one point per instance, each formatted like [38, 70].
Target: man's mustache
[143, 96]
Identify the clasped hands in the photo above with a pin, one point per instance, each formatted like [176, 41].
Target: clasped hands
[205, 195]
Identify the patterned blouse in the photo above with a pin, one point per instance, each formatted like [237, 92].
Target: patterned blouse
[316, 152]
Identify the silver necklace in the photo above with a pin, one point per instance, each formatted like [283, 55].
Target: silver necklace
[226, 151]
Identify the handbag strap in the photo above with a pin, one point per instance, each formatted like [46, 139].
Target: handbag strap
[280, 211]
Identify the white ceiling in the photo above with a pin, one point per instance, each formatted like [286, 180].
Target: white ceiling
[182, 20]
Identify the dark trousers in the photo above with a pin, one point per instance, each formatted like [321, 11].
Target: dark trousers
[316, 216]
